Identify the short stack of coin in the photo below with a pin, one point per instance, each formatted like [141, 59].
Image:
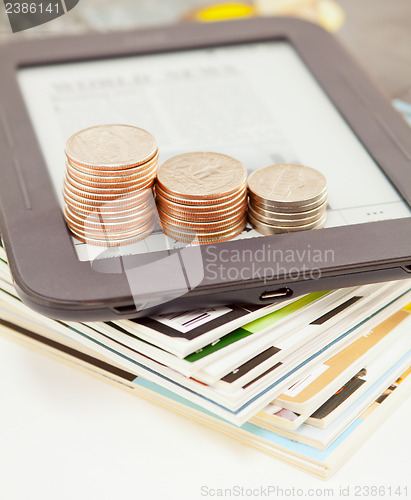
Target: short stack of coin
[202, 197]
[285, 198]
[108, 187]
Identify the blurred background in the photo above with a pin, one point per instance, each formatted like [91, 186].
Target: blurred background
[377, 32]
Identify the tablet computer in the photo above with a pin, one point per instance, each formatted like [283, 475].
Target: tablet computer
[264, 91]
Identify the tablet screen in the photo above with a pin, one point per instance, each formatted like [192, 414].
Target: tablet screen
[257, 102]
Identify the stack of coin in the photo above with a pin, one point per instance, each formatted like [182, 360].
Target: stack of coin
[285, 198]
[202, 197]
[108, 187]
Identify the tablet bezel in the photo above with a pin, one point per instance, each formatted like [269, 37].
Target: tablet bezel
[56, 283]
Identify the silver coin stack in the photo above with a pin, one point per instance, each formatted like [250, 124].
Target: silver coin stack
[110, 172]
[285, 198]
[202, 197]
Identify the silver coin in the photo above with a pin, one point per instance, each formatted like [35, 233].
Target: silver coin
[117, 232]
[287, 185]
[202, 226]
[202, 203]
[269, 229]
[122, 176]
[78, 191]
[97, 217]
[97, 223]
[87, 198]
[205, 238]
[104, 208]
[277, 220]
[105, 189]
[201, 175]
[268, 212]
[114, 242]
[206, 216]
[140, 169]
[291, 209]
[111, 147]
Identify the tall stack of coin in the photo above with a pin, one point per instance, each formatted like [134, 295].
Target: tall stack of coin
[285, 198]
[202, 197]
[110, 172]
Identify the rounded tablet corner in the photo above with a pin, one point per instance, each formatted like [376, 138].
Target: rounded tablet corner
[40, 304]
[300, 26]
[57, 311]
[54, 308]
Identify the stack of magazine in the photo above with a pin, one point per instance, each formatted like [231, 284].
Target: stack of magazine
[305, 380]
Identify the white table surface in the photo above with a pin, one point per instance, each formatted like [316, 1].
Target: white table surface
[67, 435]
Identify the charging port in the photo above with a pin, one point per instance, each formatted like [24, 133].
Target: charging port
[125, 309]
[280, 293]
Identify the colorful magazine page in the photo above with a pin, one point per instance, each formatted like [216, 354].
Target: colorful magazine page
[105, 345]
[243, 334]
[331, 409]
[370, 381]
[193, 365]
[350, 311]
[240, 397]
[320, 463]
[321, 439]
[319, 368]
[216, 367]
[306, 392]
[108, 335]
[277, 416]
[185, 332]
[104, 352]
[186, 373]
[237, 416]
[140, 368]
